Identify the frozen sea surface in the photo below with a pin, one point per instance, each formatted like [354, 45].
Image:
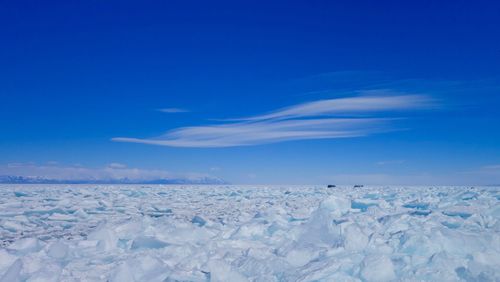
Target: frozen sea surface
[246, 233]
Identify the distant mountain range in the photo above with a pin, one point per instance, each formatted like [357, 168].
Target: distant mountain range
[10, 179]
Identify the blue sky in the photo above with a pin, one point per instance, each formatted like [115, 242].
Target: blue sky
[380, 92]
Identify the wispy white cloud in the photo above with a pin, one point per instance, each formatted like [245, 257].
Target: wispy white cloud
[254, 133]
[375, 178]
[111, 172]
[252, 175]
[350, 105]
[311, 120]
[390, 162]
[117, 165]
[422, 178]
[488, 174]
[173, 110]
[491, 168]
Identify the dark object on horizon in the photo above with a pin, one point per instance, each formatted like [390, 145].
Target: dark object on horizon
[358, 186]
[331, 186]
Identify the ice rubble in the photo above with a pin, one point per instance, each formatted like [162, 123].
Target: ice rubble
[239, 233]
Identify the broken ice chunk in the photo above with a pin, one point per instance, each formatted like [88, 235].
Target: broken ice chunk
[451, 225]
[362, 205]
[12, 226]
[461, 214]
[300, 257]
[20, 194]
[122, 274]
[13, 274]
[58, 250]
[421, 212]
[469, 195]
[378, 268]
[147, 242]
[61, 217]
[338, 206]
[6, 259]
[198, 220]
[355, 239]
[25, 245]
[416, 205]
[107, 239]
[221, 271]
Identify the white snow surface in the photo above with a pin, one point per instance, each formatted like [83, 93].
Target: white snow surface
[248, 233]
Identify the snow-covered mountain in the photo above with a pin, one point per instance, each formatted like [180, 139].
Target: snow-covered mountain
[13, 179]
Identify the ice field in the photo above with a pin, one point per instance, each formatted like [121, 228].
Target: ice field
[248, 233]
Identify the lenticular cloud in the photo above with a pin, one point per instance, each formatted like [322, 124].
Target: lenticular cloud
[312, 120]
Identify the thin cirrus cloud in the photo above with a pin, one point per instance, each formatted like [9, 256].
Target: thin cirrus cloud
[311, 120]
[349, 105]
[173, 110]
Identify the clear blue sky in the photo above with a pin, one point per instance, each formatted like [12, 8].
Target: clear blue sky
[90, 83]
